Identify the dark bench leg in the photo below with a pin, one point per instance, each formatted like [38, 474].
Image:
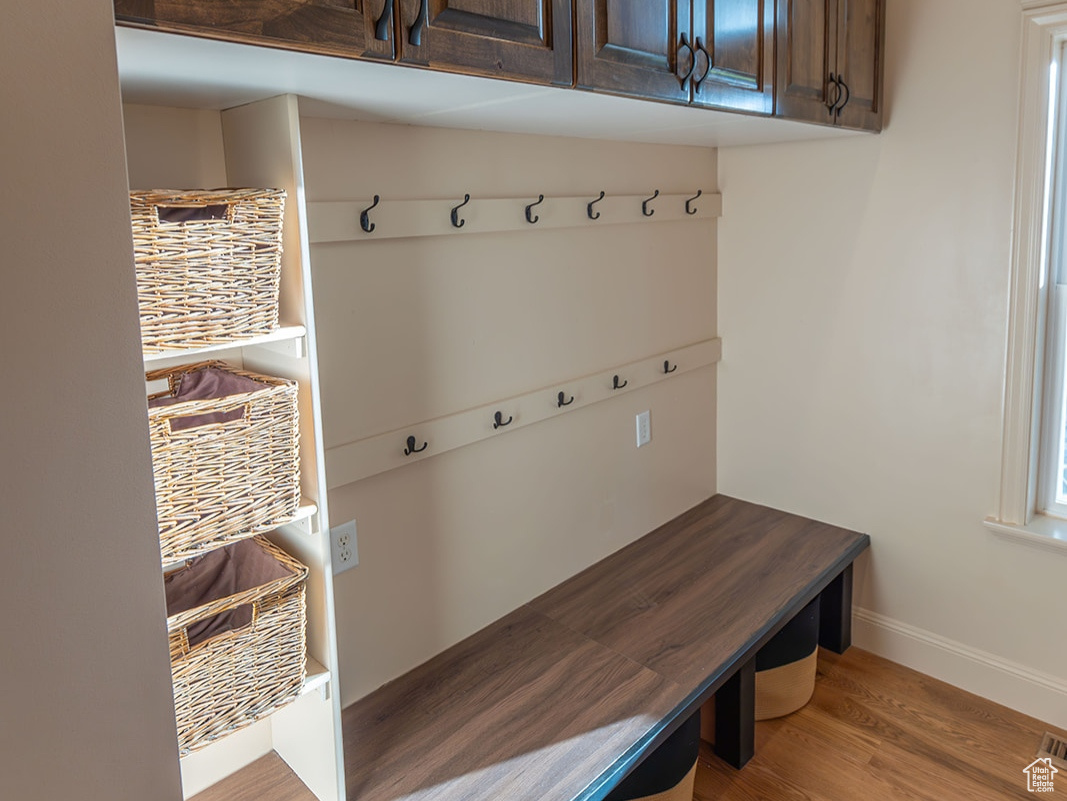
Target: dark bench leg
[835, 613]
[735, 716]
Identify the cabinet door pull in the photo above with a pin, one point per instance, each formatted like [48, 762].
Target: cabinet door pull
[848, 96]
[410, 449]
[830, 106]
[692, 58]
[707, 70]
[381, 27]
[419, 25]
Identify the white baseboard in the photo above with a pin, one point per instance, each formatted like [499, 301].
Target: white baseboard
[1032, 692]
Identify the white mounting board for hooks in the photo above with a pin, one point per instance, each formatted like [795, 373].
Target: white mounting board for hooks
[339, 221]
[354, 461]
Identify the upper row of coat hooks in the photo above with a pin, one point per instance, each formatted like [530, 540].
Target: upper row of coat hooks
[532, 218]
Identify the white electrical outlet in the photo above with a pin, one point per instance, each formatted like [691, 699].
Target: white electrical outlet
[644, 428]
[343, 551]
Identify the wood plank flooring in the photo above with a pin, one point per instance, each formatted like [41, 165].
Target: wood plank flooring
[873, 731]
[266, 779]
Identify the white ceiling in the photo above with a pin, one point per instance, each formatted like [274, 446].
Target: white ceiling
[167, 69]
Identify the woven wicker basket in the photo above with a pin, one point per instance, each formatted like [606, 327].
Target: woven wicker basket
[222, 482]
[208, 265]
[235, 678]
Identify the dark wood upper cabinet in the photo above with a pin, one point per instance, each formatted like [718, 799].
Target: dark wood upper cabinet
[635, 47]
[811, 60]
[830, 61]
[860, 50]
[519, 39]
[734, 40]
[362, 28]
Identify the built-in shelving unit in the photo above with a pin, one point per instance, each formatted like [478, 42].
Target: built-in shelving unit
[258, 146]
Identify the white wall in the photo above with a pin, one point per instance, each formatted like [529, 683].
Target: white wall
[862, 304]
[411, 330]
[85, 699]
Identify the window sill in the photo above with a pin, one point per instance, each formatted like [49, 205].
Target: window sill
[1048, 533]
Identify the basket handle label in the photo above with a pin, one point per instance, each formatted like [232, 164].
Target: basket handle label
[238, 415]
[213, 212]
[238, 621]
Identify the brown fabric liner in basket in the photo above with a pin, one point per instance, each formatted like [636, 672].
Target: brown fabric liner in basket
[225, 468]
[209, 382]
[231, 678]
[221, 574]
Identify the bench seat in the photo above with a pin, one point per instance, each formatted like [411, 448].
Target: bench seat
[561, 698]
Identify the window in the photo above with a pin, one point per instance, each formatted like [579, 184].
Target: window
[1033, 489]
[1050, 390]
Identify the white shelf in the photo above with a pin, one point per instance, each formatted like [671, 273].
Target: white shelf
[303, 520]
[287, 339]
[317, 676]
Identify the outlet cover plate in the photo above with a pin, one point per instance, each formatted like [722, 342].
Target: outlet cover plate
[344, 553]
[644, 428]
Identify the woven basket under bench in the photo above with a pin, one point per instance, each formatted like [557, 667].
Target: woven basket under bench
[236, 677]
[223, 481]
[208, 265]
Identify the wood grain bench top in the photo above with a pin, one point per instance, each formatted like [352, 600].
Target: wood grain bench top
[557, 700]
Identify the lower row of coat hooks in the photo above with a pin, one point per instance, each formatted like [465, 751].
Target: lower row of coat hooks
[561, 401]
[415, 440]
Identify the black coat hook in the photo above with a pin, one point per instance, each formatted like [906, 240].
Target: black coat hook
[689, 210]
[589, 208]
[561, 403]
[534, 218]
[410, 449]
[364, 219]
[616, 385]
[499, 422]
[455, 212]
[667, 367]
[644, 204]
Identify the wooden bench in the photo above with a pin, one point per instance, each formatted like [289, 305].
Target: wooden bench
[560, 699]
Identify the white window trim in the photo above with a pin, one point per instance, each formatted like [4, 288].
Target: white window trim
[1044, 25]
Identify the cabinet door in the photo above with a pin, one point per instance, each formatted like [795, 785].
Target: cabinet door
[635, 47]
[362, 28]
[523, 39]
[860, 48]
[807, 39]
[734, 40]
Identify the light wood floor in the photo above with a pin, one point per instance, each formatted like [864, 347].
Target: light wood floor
[873, 731]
